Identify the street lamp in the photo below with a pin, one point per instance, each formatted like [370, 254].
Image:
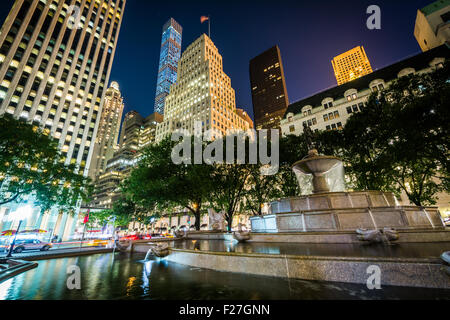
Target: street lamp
[21, 214]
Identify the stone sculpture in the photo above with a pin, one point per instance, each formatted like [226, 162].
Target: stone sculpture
[123, 246]
[446, 258]
[160, 250]
[180, 233]
[216, 220]
[385, 235]
[241, 235]
[308, 135]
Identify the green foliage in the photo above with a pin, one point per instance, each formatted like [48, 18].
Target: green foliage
[159, 184]
[400, 141]
[31, 164]
[230, 182]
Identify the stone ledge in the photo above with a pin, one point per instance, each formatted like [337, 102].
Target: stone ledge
[427, 273]
[406, 236]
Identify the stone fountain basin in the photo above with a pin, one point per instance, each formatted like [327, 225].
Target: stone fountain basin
[316, 165]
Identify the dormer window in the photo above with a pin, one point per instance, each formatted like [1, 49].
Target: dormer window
[351, 94]
[437, 63]
[327, 103]
[307, 110]
[405, 72]
[377, 85]
[290, 117]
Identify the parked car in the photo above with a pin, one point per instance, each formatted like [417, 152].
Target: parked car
[447, 222]
[31, 244]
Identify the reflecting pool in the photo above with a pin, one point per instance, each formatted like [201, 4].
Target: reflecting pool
[129, 276]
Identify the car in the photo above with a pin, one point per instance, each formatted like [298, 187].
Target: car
[98, 243]
[31, 244]
[447, 222]
[132, 237]
[168, 235]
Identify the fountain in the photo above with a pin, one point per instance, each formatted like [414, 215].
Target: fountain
[317, 166]
[341, 211]
[320, 236]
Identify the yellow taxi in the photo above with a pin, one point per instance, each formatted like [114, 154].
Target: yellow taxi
[98, 243]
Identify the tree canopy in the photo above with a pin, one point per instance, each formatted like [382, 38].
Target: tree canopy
[32, 165]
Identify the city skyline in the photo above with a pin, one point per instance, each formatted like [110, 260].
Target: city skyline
[136, 64]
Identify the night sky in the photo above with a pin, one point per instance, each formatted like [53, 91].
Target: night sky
[309, 34]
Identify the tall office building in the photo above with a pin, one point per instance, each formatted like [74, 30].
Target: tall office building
[168, 62]
[53, 71]
[269, 93]
[351, 65]
[202, 93]
[433, 25]
[137, 133]
[108, 131]
[54, 65]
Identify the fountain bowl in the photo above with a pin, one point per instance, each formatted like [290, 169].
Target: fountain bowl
[317, 166]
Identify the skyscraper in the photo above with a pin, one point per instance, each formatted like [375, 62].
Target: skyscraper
[433, 25]
[108, 131]
[136, 134]
[202, 93]
[351, 65]
[54, 66]
[168, 62]
[55, 60]
[269, 93]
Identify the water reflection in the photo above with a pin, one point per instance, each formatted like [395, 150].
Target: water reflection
[401, 250]
[132, 277]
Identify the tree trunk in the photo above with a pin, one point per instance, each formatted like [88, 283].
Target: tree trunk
[197, 216]
[229, 222]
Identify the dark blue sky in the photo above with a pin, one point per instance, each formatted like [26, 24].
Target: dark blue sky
[309, 34]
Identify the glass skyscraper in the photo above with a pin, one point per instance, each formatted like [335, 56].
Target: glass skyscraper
[168, 62]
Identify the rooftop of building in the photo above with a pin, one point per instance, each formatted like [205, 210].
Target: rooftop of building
[435, 6]
[172, 22]
[389, 73]
[346, 53]
[275, 48]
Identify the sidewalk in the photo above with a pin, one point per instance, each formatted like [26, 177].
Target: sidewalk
[57, 253]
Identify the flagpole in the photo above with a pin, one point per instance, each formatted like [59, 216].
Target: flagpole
[209, 27]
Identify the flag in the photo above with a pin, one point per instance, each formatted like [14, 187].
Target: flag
[86, 217]
[204, 18]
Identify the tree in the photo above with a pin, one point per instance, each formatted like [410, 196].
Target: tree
[157, 182]
[230, 188]
[31, 164]
[261, 189]
[400, 140]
